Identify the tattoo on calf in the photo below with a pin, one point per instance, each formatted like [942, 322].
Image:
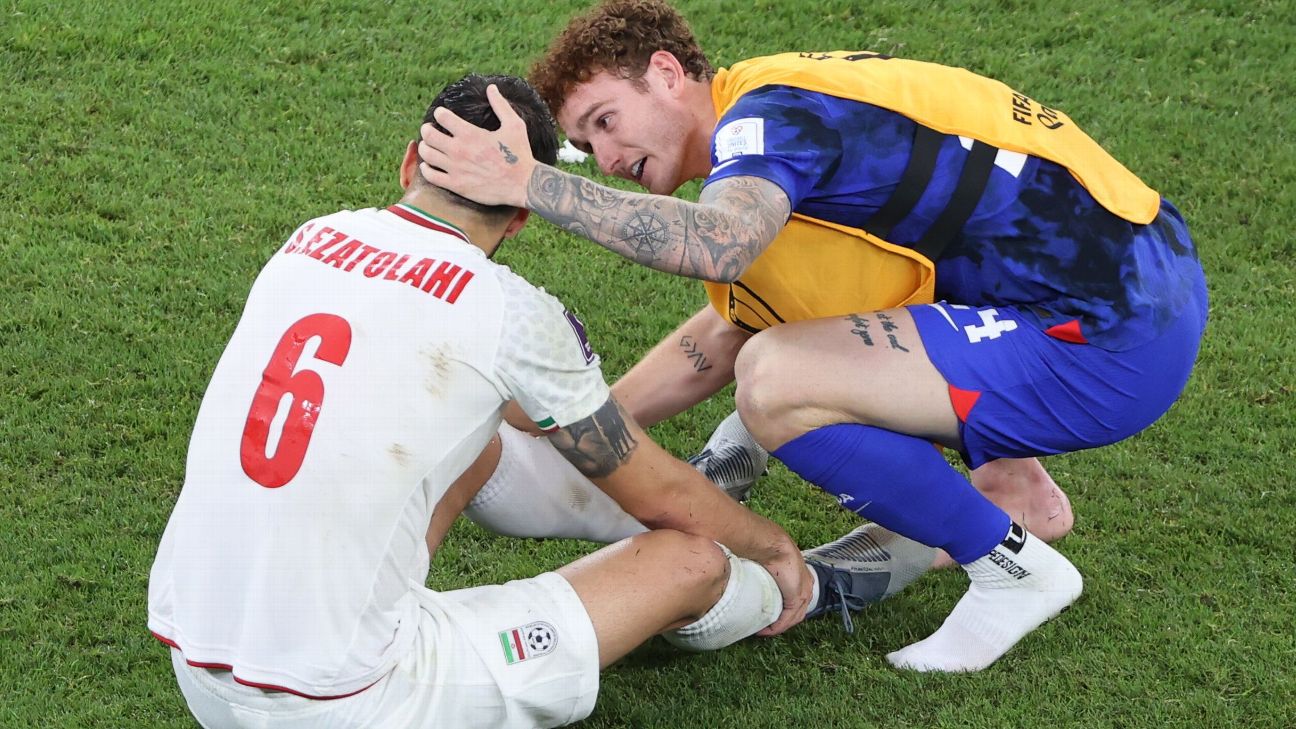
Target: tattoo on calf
[599, 444]
[508, 154]
[690, 347]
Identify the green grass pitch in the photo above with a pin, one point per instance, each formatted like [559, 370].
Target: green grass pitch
[152, 155]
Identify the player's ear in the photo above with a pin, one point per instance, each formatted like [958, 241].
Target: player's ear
[667, 67]
[409, 165]
[519, 220]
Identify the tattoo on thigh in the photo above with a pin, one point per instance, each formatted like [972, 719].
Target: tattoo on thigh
[599, 444]
[889, 326]
[861, 328]
[690, 347]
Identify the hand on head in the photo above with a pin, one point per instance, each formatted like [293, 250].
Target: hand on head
[489, 167]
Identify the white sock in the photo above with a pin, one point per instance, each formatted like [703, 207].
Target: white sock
[1011, 594]
[814, 590]
[535, 492]
[751, 601]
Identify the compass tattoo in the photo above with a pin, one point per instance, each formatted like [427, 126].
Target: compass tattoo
[714, 239]
[645, 233]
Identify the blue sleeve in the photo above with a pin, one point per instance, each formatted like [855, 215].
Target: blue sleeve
[778, 133]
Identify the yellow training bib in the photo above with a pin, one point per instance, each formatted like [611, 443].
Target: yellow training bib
[950, 101]
[817, 269]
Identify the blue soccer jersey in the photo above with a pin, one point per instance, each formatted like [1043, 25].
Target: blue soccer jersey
[1036, 239]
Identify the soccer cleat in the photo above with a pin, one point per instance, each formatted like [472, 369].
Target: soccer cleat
[867, 565]
[732, 459]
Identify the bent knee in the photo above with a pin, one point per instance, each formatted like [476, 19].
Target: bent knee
[698, 561]
[762, 357]
[764, 373]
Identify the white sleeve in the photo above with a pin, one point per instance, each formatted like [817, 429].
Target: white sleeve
[545, 359]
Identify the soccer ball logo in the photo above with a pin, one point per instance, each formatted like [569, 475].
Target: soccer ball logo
[540, 638]
[529, 641]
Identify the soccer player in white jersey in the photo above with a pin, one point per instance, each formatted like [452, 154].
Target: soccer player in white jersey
[332, 451]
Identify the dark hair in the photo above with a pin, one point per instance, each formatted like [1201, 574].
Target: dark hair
[619, 37]
[467, 99]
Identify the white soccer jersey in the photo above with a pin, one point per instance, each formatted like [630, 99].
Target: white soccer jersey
[369, 369]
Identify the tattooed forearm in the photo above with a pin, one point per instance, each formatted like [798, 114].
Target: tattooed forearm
[690, 347]
[599, 444]
[715, 239]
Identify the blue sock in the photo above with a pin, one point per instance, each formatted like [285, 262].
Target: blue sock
[900, 482]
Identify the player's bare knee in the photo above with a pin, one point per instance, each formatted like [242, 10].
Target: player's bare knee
[696, 563]
[707, 566]
[760, 357]
[764, 414]
[762, 402]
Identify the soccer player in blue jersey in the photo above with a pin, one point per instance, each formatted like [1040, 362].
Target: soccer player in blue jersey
[1070, 298]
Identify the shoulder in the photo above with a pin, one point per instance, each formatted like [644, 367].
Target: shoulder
[786, 123]
[786, 116]
[793, 108]
[530, 309]
[779, 101]
[517, 291]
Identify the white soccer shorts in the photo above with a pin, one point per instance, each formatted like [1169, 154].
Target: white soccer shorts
[522, 654]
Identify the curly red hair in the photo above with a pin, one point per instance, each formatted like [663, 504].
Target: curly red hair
[618, 36]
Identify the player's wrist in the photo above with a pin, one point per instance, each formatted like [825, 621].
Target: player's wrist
[778, 548]
[538, 177]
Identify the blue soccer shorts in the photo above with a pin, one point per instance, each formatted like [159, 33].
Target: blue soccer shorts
[1019, 392]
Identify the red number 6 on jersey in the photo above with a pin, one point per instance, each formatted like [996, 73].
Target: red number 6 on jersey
[307, 390]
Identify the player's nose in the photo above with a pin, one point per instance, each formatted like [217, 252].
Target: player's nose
[606, 158]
